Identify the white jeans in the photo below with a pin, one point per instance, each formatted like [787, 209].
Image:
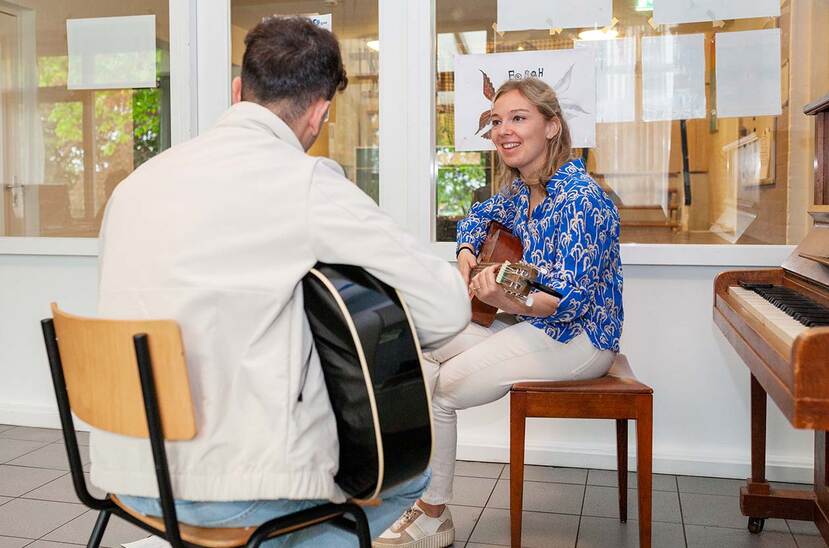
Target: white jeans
[480, 365]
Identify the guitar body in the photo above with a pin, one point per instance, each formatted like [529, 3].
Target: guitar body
[500, 245]
[370, 358]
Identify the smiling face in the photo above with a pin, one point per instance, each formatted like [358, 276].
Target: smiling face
[521, 133]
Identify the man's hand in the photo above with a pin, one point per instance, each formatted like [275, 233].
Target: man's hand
[466, 262]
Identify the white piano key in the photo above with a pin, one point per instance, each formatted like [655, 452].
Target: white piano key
[783, 325]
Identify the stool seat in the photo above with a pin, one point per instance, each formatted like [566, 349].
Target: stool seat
[619, 380]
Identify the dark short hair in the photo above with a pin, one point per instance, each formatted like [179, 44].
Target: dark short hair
[289, 63]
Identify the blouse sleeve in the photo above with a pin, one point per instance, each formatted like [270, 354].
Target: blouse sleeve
[583, 244]
[472, 229]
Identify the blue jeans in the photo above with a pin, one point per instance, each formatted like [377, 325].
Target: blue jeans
[245, 513]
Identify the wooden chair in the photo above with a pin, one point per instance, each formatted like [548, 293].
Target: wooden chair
[130, 378]
[617, 395]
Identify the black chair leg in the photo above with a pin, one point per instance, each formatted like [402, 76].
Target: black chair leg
[98, 531]
[361, 526]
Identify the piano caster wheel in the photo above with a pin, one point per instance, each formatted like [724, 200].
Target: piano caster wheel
[755, 525]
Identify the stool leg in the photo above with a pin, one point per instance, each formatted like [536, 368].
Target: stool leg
[644, 466]
[517, 422]
[622, 466]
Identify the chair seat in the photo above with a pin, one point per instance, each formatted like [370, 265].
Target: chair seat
[212, 537]
[619, 380]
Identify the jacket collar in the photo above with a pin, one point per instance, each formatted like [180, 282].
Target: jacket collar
[255, 116]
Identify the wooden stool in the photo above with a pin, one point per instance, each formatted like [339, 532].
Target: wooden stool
[617, 395]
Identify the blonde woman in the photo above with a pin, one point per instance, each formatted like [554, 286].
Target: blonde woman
[570, 229]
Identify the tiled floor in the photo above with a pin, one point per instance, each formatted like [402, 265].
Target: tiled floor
[564, 507]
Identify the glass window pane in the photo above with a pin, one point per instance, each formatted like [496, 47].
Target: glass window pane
[64, 150]
[350, 137]
[711, 180]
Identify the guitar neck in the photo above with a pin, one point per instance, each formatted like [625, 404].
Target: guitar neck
[482, 266]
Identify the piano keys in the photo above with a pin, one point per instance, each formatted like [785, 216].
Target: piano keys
[778, 322]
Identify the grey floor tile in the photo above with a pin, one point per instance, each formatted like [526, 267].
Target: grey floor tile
[10, 449]
[476, 545]
[32, 434]
[34, 518]
[50, 456]
[800, 527]
[610, 478]
[539, 529]
[716, 537]
[604, 533]
[464, 518]
[710, 486]
[551, 474]
[78, 530]
[559, 498]
[472, 491]
[16, 480]
[62, 490]
[712, 510]
[4, 427]
[4, 500]
[50, 544]
[808, 541]
[13, 542]
[478, 469]
[604, 502]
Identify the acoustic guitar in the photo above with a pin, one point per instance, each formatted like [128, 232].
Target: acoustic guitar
[370, 358]
[517, 278]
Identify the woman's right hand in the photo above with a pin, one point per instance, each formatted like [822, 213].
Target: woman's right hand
[466, 262]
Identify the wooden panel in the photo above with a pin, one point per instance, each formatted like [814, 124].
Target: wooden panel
[102, 379]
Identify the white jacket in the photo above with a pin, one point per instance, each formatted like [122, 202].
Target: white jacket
[217, 233]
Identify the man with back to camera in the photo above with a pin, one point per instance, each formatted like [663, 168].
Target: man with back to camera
[217, 233]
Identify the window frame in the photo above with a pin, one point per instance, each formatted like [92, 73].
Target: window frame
[200, 91]
[183, 113]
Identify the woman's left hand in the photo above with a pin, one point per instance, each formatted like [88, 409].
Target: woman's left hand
[487, 290]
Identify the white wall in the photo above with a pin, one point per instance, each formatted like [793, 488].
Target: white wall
[701, 386]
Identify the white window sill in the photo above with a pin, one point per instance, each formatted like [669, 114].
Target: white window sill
[681, 254]
[632, 254]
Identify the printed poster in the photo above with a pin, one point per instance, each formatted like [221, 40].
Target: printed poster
[570, 72]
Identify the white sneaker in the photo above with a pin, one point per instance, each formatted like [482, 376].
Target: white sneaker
[414, 529]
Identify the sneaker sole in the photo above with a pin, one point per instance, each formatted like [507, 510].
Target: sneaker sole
[438, 540]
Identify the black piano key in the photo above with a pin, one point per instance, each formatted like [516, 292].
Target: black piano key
[800, 308]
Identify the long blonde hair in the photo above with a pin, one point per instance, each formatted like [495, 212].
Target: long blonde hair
[558, 150]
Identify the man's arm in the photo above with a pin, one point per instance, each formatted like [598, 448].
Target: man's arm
[346, 226]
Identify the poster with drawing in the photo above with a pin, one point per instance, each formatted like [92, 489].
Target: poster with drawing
[570, 72]
[672, 12]
[558, 14]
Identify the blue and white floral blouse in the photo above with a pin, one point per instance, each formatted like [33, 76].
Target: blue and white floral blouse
[573, 234]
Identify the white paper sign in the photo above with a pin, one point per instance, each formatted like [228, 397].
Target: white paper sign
[551, 14]
[322, 21]
[111, 52]
[615, 78]
[692, 11]
[569, 71]
[673, 77]
[748, 73]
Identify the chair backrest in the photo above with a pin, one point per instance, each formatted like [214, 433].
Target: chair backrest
[99, 364]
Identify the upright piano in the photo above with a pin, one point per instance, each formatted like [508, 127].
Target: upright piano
[778, 322]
